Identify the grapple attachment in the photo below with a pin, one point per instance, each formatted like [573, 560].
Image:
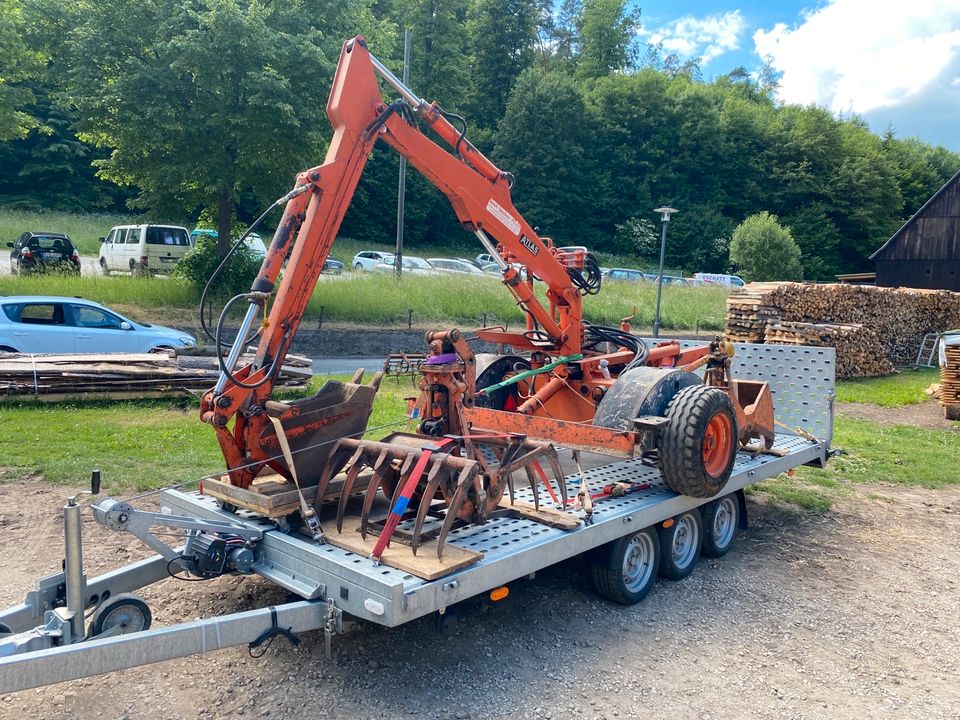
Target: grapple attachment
[452, 479]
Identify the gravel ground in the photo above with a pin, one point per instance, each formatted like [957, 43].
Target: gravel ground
[853, 614]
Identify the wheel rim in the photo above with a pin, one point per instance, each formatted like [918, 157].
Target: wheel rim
[717, 440]
[684, 546]
[724, 522]
[130, 618]
[638, 562]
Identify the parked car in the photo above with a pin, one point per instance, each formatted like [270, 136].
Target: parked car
[369, 259]
[43, 252]
[253, 241]
[454, 265]
[411, 264]
[484, 259]
[143, 249]
[51, 324]
[468, 261]
[718, 279]
[332, 266]
[627, 274]
[494, 269]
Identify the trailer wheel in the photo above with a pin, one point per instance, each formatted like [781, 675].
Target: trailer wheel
[631, 568]
[680, 545]
[5, 629]
[699, 442]
[125, 612]
[721, 518]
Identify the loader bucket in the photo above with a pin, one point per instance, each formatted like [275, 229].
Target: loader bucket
[314, 425]
[753, 405]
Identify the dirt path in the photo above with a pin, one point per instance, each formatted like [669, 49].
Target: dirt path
[928, 415]
[855, 614]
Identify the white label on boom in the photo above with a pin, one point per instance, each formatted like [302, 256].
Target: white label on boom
[500, 213]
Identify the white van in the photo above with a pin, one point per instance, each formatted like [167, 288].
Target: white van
[717, 279]
[143, 249]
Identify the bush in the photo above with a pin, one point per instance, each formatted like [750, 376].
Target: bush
[764, 250]
[198, 265]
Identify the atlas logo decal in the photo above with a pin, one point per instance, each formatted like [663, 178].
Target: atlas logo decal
[529, 245]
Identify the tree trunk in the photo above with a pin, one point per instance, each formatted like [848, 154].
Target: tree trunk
[224, 222]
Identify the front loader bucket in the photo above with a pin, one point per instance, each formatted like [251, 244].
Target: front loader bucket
[753, 405]
[313, 425]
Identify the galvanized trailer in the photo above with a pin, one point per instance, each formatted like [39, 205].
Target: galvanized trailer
[50, 643]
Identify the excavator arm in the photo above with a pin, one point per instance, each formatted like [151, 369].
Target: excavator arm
[479, 193]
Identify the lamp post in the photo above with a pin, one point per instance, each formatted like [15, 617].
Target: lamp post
[665, 213]
[402, 182]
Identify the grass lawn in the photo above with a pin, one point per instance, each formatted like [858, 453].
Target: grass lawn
[138, 445]
[375, 298]
[898, 454]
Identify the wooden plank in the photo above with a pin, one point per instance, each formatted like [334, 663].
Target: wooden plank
[425, 564]
[273, 499]
[544, 516]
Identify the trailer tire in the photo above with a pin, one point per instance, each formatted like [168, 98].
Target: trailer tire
[125, 610]
[630, 568]
[698, 444]
[680, 545]
[5, 629]
[721, 518]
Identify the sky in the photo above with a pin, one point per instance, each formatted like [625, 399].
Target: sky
[894, 63]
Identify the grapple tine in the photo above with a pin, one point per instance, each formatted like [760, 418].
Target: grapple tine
[355, 465]
[402, 479]
[377, 379]
[463, 484]
[534, 488]
[433, 483]
[510, 487]
[357, 376]
[336, 461]
[558, 474]
[379, 468]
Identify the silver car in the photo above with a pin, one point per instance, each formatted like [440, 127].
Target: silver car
[53, 324]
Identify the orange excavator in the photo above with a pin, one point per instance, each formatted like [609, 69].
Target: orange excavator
[562, 382]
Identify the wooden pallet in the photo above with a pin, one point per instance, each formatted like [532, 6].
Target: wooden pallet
[425, 564]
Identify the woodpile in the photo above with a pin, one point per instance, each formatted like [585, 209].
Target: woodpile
[859, 351]
[949, 395]
[873, 328]
[122, 375]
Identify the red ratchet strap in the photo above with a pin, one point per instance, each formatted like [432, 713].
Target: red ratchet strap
[401, 505]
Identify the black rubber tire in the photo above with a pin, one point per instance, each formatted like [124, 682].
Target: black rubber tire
[721, 520]
[678, 562]
[7, 348]
[132, 613]
[358, 268]
[103, 267]
[610, 569]
[5, 629]
[681, 441]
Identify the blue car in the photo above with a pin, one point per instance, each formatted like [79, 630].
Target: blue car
[52, 324]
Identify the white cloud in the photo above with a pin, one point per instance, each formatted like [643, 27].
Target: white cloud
[707, 37]
[865, 55]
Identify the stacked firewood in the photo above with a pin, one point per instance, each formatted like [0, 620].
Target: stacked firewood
[859, 351]
[122, 375]
[897, 317]
[949, 395]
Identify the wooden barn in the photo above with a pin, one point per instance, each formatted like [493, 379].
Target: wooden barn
[925, 252]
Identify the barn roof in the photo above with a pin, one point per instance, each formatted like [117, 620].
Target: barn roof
[917, 214]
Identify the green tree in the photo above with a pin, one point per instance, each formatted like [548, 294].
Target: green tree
[199, 102]
[19, 63]
[503, 36]
[545, 140]
[763, 250]
[608, 37]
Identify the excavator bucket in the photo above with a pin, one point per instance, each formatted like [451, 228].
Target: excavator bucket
[313, 425]
[461, 480]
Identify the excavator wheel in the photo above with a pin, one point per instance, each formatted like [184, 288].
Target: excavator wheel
[698, 444]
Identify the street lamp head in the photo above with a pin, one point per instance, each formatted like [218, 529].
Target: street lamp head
[665, 213]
